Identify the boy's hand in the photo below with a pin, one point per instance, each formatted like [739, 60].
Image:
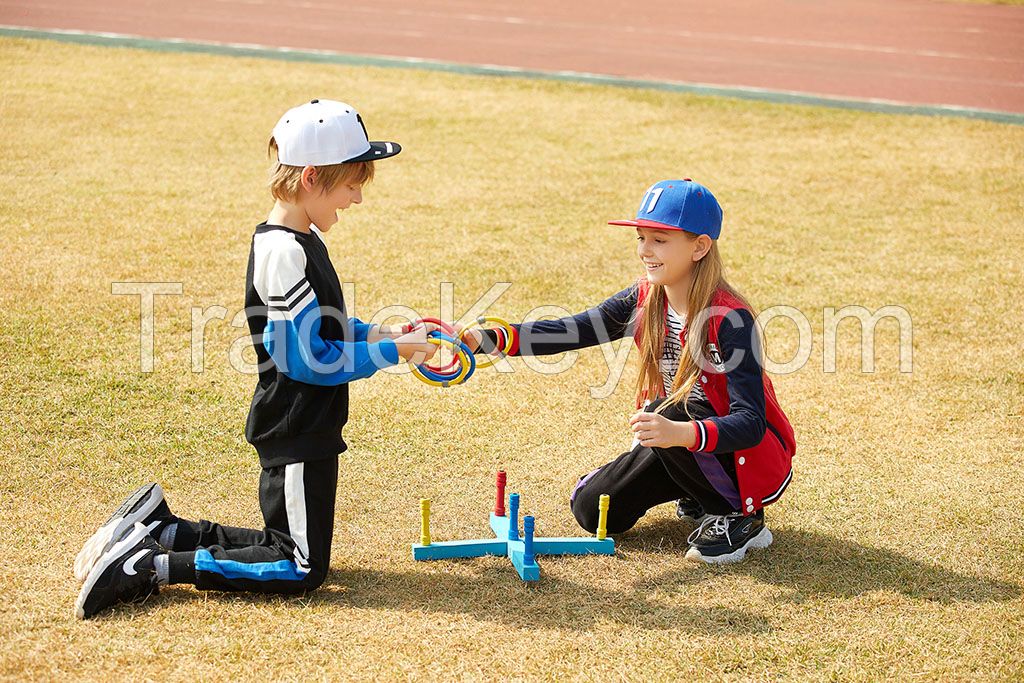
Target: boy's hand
[395, 331]
[434, 326]
[657, 431]
[414, 346]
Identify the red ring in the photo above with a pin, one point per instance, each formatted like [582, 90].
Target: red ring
[450, 331]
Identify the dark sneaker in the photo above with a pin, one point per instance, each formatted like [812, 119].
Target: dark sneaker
[125, 573]
[721, 539]
[688, 508]
[146, 504]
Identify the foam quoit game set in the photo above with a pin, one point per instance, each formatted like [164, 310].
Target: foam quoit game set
[523, 549]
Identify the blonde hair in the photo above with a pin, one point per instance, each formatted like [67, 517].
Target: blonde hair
[707, 281]
[285, 181]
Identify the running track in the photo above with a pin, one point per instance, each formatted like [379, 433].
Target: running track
[924, 52]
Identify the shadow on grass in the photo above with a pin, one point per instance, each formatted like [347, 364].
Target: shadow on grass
[813, 565]
[491, 595]
[809, 564]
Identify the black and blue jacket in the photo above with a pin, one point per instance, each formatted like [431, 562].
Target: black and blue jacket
[307, 348]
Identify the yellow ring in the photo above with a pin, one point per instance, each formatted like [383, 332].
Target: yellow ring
[464, 365]
[489, 360]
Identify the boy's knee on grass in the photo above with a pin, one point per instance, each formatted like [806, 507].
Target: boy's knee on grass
[309, 583]
[315, 579]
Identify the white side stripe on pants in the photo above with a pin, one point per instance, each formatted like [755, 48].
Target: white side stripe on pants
[295, 508]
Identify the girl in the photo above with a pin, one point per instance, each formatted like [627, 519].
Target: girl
[711, 434]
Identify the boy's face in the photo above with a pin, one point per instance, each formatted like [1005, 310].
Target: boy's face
[323, 207]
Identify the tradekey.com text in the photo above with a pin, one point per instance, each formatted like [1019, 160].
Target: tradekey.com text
[615, 352]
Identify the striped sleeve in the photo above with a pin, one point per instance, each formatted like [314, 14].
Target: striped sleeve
[285, 264]
[292, 335]
[707, 436]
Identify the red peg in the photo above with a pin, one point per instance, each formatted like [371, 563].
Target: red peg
[499, 505]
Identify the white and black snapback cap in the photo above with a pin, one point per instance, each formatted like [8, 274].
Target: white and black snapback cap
[323, 132]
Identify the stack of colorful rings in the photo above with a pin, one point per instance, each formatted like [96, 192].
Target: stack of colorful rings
[463, 363]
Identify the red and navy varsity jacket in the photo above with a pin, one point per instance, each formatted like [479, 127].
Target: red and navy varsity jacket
[749, 423]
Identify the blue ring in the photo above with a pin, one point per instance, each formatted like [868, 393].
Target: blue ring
[447, 377]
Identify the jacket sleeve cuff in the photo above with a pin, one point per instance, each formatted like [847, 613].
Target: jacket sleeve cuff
[360, 330]
[514, 351]
[389, 350]
[493, 338]
[707, 436]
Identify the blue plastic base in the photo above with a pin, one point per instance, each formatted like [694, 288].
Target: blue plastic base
[448, 550]
[527, 571]
[513, 549]
[573, 546]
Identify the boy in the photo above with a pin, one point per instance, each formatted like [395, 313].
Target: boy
[308, 351]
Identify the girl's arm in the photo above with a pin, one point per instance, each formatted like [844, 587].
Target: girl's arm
[608, 321]
[745, 425]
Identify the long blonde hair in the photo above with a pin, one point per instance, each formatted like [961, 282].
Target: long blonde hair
[707, 280]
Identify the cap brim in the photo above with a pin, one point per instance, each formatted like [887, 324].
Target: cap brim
[641, 223]
[378, 150]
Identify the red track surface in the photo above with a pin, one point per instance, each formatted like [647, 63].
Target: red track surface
[915, 51]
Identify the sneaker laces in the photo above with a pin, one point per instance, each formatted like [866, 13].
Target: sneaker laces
[718, 524]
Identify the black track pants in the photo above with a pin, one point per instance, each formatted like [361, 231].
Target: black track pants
[645, 477]
[290, 555]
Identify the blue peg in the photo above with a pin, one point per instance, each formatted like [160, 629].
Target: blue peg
[513, 517]
[528, 539]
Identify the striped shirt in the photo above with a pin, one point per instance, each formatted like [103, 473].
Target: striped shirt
[672, 351]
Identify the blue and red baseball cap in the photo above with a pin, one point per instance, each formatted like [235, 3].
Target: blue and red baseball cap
[678, 205]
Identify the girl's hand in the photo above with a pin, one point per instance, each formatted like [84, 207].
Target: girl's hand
[473, 338]
[657, 431]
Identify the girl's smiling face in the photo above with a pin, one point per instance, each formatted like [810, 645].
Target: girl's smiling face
[668, 255]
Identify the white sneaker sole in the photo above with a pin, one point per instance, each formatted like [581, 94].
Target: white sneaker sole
[762, 540]
[115, 527]
[115, 554]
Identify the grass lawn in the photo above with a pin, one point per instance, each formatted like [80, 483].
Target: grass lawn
[898, 552]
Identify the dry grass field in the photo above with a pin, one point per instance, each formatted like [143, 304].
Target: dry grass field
[899, 550]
